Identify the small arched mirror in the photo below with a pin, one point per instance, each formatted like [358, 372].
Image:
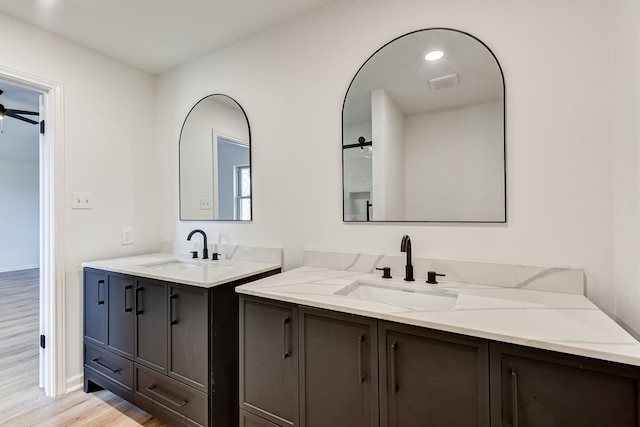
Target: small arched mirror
[215, 162]
[423, 133]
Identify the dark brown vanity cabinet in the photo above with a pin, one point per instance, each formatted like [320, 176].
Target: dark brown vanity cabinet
[430, 378]
[338, 369]
[536, 388]
[169, 348]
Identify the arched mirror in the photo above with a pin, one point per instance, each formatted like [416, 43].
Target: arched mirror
[423, 132]
[215, 162]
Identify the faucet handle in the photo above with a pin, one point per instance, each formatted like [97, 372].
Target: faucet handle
[214, 256]
[431, 277]
[194, 254]
[386, 272]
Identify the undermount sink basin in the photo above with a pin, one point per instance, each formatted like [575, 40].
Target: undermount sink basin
[405, 296]
[171, 264]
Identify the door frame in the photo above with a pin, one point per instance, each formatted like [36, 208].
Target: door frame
[52, 230]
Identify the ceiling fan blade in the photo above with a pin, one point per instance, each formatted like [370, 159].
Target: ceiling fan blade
[12, 113]
[22, 112]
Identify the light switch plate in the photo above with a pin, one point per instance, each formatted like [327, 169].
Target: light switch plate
[82, 200]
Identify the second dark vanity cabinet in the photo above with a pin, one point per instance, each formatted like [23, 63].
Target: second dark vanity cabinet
[536, 388]
[430, 378]
[268, 362]
[330, 364]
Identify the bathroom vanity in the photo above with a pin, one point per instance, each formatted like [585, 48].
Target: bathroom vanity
[162, 332]
[331, 343]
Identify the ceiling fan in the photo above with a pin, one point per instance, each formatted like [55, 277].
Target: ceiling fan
[17, 114]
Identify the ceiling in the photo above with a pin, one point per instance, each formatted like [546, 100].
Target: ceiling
[156, 35]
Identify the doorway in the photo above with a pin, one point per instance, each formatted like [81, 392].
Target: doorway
[20, 241]
[45, 252]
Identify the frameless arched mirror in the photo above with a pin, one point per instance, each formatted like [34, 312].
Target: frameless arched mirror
[423, 134]
[215, 162]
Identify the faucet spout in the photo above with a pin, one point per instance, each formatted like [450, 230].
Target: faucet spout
[205, 251]
[405, 246]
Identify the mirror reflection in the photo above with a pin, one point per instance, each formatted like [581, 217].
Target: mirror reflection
[423, 132]
[215, 162]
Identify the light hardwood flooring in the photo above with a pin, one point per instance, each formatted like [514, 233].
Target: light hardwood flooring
[22, 402]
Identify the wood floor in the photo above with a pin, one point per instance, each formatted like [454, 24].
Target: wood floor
[22, 402]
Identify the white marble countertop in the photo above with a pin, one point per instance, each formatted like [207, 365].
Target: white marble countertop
[564, 322]
[182, 269]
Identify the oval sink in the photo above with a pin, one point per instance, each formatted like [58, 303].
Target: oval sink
[170, 264]
[405, 296]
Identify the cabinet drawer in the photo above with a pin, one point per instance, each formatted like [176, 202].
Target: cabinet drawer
[247, 419]
[110, 365]
[171, 394]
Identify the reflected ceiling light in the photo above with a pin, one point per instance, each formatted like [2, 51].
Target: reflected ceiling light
[434, 55]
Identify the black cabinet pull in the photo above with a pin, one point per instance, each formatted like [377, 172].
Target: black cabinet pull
[286, 353]
[102, 365]
[154, 389]
[514, 397]
[394, 383]
[139, 301]
[173, 298]
[100, 284]
[362, 377]
[127, 288]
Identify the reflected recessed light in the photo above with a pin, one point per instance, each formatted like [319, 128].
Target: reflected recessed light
[434, 55]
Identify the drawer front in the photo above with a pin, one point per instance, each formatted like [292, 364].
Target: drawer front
[110, 365]
[247, 419]
[171, 394]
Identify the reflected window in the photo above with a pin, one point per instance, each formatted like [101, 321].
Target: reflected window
[243, 193]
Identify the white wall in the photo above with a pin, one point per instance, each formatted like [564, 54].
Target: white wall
[625, 140]
[110, 151]
[292, 80]
[19, 220]
[387, 134]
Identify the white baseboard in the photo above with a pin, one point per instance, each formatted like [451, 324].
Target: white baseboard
[22, 267]
[74, 383]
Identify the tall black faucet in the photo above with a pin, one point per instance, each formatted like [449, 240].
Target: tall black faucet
[205, 251]
[405, 246]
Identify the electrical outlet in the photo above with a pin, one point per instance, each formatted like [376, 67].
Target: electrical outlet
[205, 203]
[126, 236]
[82, 200]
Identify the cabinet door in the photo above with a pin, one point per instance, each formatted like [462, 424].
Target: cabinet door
[430, 378]
[188, 336]
[151, 324]
[338, 369]
[95, 307]
[120, 315]
[269, 360]
[536, 388]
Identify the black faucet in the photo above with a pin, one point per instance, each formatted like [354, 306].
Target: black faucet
[205, 251]
[405, 246]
